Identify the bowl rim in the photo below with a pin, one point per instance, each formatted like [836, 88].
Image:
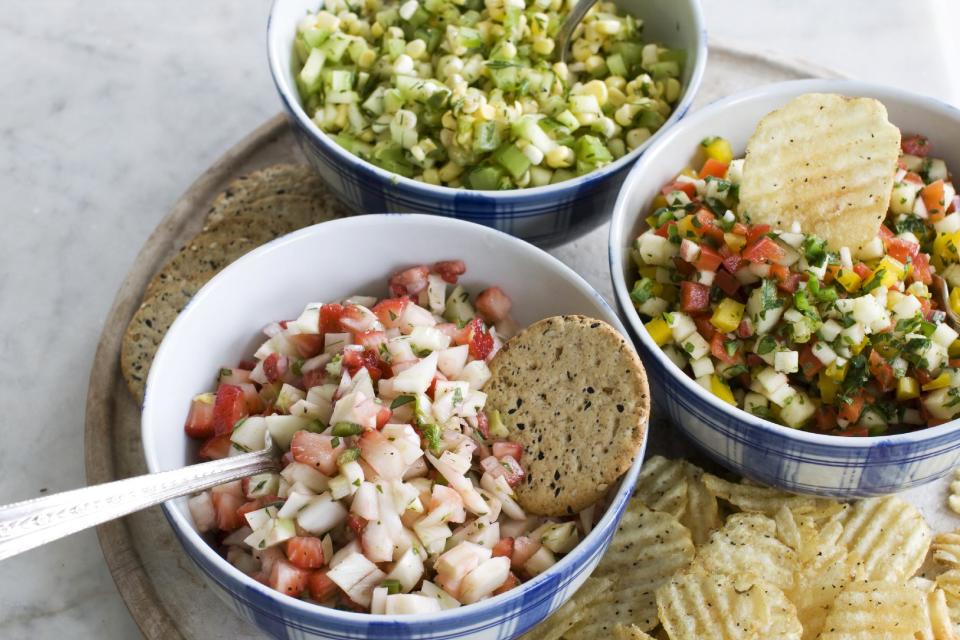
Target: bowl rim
[293, 107]
[621, 217]
[582, 553]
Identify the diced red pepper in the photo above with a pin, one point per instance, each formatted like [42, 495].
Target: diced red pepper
[902, 250]
[732, 262]
[915, 145]
[763, 250]
[664, 230]
[810, 364]
[920, 269]
[714, 168]
[862, 270]
[790, 283]
[694, 297]
[709, 259]
[706, 225]
[718, 349]
[686, 187]
[757, 231]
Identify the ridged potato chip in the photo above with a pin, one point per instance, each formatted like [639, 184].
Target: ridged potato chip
[824, 570]
[946, 548]
[564, 618]
[697, 606]
[662, 485]
[887, 535]
[937, 625]
[949, 582]
[767, 500]
[747, 543]
[648, 548]
[702, 514]
[875, 609]
[824, 161]
[629, 632]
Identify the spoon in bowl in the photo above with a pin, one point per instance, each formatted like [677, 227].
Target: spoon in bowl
[31, 523]
[565, 36]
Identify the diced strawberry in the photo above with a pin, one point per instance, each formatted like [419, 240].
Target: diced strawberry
[504, 547]
[289, 579]
[236, 376]
[316, 450]
[709, 260]
[354, 360]
[313, 378]
[252, 398]
[493, 304]
[228, 408]
[483, 425]
[476, 336]
[307, 344]
[409, 282]
[305, 552]
[449, 270]
[915, 145]
[200, 419]
[215, 448]
[226, 506]
[371, 339]
[687, 187]
[513, 472]
[357, 320]
[320, 586]
[275, 366]
[523, 549]
[763, 249]
[448, 329]
[503, 448]
[330, 318]
[714, 168]
[920, 269]
[356, 524]
[388, 311]
[249, 365]
[727, 283]
[745, 328]
[694, 297]
[508, 584]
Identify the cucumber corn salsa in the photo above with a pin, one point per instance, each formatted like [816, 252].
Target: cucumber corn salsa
[396, 489]
[777, 324]
[466, 94]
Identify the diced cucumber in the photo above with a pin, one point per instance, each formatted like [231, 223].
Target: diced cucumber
[282, 428]
[513, 160]
[312, 69]
[486, 178]
[486, 136]
[458, 309]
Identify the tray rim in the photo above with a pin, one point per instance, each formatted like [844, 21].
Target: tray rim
[122, 558]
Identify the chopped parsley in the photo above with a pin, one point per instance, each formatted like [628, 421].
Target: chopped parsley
[399, 401]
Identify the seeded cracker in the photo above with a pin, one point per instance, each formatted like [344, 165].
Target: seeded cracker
[572, 391]
[826, 162]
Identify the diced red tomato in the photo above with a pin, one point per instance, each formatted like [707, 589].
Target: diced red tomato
[764, 249]
[757, 231]
[683, 267]
[508, 584]
[388, 311]
[704, 326]
[275, 366]
[902, 250]
[664, 230]
[503, 548]
[409, 282]
[854, 432]
[200, 422]
[356, 524]
[850, 411]
[882, 371]
[934, 197]
[321, 587]
[215, 448]
[226, 506]
[449, 270]
[714, 168]
[289, 579]
[745, 328]
[709, 260]
[493, 304]
[686, 187]
[727, 283]
[307, 344]
[885, 234]
[694, 297]
[810, 364]
[316, 450]
[915, 145]
[228, 408]
[920, 269]
[330, 318]
[790, 282]
[503, 448]
[718, 349]
[732, 262]
[825, 418]
[305, 552]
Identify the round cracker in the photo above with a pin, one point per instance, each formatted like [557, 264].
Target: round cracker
[573, 392]
[275, 180]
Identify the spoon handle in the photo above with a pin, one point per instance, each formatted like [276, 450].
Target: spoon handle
[31, 523]
[570, 25]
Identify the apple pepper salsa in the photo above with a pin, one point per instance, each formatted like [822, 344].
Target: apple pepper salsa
[778, 324]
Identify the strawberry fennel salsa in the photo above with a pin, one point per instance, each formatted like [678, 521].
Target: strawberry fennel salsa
[395, 493]
[779, 324]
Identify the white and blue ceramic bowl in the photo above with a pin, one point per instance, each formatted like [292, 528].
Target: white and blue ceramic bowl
[547, 215]
[329, 262]
[794, 460]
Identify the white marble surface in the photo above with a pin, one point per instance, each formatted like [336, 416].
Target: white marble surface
[111, 109]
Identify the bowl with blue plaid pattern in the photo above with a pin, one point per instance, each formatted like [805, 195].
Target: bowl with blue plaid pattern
[792, 459]
[548, 215]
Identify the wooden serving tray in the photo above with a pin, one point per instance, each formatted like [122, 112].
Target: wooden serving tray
[161, 587]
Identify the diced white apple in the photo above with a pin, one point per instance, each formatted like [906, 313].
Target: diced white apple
[377, 543]
[414, 315]
[334, 343]
[944, 335]
[681, 326]
[797, 410]
[451, 361]
[656, 250]
[382, 455]
[288, 396]
[417, 379]
[309, 319]
[560, 537]
[263, 484]
[689, 250]
[830, 329]
[259, 518]
[411, 603]
[202, 511]
[445, 600]
[378, 601]
[771, 380]
[282, 428]
[407, 570]
[540, 561]
[823, 353]
[405, 439]
[295, 502]
[343, 552]
[429, 339]
[786, 361]
[782, 396]
[695, 346]
[365, 502]
[347, 481]
[476, 374]
[305, 475]
[321, 515]
[484, 580]
[250, 434]
[345, 409]
[447, 397]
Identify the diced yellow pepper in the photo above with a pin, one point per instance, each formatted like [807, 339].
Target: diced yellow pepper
[659, 202]
[659, 330]
[908, 388]
[828, 387]
[648, 272]
[689, 172]
[891, 272]
[668, 292]
[955, 299]
[734, 241]
[857, 348]
[849, 280]
[727, 316]
[719, 149]
[685, 227]
[954, 349]
[721, 389]
[836, 373]
[945, 247]
[940, 382]
[656, 288]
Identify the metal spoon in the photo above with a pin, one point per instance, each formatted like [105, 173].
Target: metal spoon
[570, 25]
[943, 299]
[31, 523]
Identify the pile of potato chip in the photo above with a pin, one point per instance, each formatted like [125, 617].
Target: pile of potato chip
[697, 557]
